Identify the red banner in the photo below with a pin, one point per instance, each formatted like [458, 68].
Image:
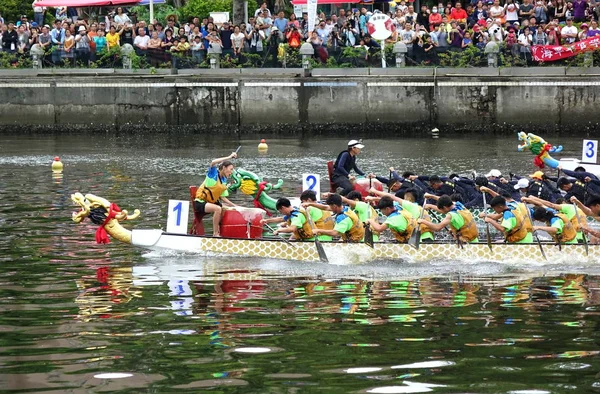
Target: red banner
[550, 53]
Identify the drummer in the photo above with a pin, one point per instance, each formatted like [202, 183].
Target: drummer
[212, 194]
[344, 163]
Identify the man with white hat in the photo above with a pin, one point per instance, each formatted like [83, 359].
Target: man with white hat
[346, 162]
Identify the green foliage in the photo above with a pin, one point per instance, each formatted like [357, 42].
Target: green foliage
[471, 56]
[202, 8]
[160, 12]
[11, 10]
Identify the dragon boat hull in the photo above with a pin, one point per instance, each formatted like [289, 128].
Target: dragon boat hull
[306, 251]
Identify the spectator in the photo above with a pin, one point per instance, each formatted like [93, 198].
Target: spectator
[456, 36]
[525, 40]
[22, 39]
[553, 34]
[266, 23]
[168, 43]
[10, 39]
[113, 38]
[583, 34]
[526, 10]
[294, 21]
[511, 11]
[410, 16]
[569, 32]
[72, 14]
[466, 41]
[61, 13]
[255, 40]
[68, 53]
[141, 42]
[594, 31]
[57, 36]
[237, 41]
[226, 40]
[423, 16]
[540, 37]
[82, 46]
[281, 22]
[579, 10]
[261, 10]
[435, 18]
[293, 37]
[101, 44]
[442, 38]
[45, 40]
[540, 12]
[408, 36]
[38, 14]
[341, 20]
[560, 11]
[481, 42]
[273, 42]
[127, 34]
[121, 19]
[197, 50]
[458, 14]
[323, 32]
[497, 12]
[161, 33]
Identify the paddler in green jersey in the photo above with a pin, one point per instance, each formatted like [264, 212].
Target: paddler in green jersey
[322, 217]
[461, 221]
[400, 223]
[568, 210]
[591, 209]
[408, 203]
[514, 224]
[295, 220]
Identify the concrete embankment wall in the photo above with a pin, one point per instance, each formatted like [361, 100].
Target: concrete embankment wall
[549, 99]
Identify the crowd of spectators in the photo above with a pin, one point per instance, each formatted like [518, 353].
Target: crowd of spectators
[427, 33]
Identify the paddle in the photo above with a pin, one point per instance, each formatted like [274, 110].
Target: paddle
[279, 236]
[238, 149]
[487, 225]
[585, 242]
[415, 237]
[320, 250]
[535, 234]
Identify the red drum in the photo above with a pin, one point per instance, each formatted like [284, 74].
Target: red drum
[242, 222]
[363, 185]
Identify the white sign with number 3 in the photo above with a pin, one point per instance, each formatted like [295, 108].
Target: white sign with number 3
[312, 182]
[590, 151]
[177, 217]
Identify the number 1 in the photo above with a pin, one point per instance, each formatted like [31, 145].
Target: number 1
[177, 208]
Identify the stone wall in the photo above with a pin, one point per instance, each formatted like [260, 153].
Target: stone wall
[550, 99]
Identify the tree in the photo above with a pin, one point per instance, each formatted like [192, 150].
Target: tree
[202, 8]
[11, 10]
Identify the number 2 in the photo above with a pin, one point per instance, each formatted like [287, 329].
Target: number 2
[177, 208]
[309, 179]
[591, 148]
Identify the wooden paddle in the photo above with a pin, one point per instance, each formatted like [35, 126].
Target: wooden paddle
[415, 237]
[279, 236]
[487, 225]
[320, 250]
[368, 239]
[585, 241]
[535, 234]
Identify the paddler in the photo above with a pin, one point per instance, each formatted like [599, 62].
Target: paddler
[322, 218]
[400, 222]
[212, 194]
[408, 203]
[461, 221]
[295, 219]
[347, 225]
[557, 225]
[514, 224]
[354, 200]
[568, 210]
[541, 188]
[344, 163]
[591, 209]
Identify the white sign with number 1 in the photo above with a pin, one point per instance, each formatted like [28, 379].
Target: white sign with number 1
[177, 217]
[312, 182]
[590, 151]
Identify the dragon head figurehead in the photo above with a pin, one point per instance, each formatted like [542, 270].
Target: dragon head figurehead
[105, 214]
[253, 185]
[539, 147]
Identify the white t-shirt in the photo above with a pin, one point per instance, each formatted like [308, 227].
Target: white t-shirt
[568, 30]
[514, 14]
[141, 41]
[496, 12]
[525, 39]
[238, 40]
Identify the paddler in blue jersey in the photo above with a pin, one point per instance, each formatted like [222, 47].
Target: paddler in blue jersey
[344, 164]
[212, 194]
[347, 225]
[461, 221]
[514, 224]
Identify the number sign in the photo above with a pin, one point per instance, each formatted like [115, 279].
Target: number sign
[590, 151]
[312, 182]
[177, 217]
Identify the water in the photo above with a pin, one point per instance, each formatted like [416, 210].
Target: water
[80, 317]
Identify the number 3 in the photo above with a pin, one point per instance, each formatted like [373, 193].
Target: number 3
[591, 147]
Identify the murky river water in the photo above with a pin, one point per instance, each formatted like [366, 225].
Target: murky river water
[80, 317]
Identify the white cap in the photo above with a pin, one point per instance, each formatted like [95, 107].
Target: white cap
[522, 184]
[355, 144]
[494, 173]
[81, 28]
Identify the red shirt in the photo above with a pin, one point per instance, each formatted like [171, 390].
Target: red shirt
[458, 15]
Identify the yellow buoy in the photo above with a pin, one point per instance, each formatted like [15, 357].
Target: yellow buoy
[57, 165]
[263, 147]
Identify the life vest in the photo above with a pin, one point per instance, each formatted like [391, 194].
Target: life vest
[211, 194]
[349, 165]
[300, 233]
[519, 232]
[575, 222]
[404, 236]
[569, 233]
[423, 227]
[527, 223]
[468, 232]
[357, 231]
[372, 215]
[326, 222]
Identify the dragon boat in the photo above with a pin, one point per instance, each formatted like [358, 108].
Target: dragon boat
[109, 217]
